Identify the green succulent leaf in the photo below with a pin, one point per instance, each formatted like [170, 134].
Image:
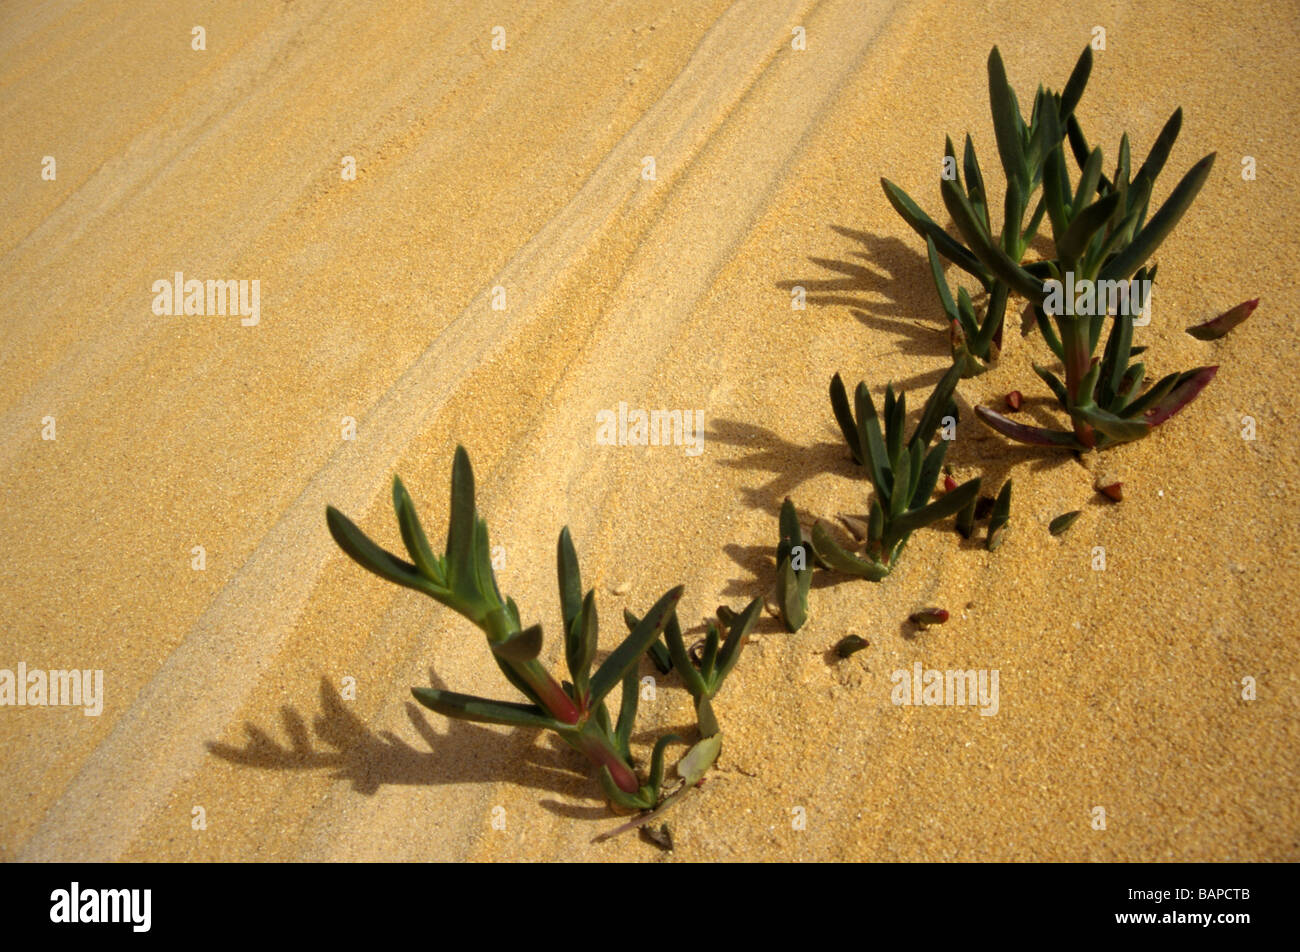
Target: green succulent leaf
[844, 417]
[413, 537]
[657, 762]
[736, 635]
[1062, 522]
[1144, 245]
[926, 227]
[570, 578]
[627, 713]
[1007, 122]
[521, 646]
[372, 557]
[841, 561]
[626, 655]
[872, 440]
[948, 504]
[467, 707]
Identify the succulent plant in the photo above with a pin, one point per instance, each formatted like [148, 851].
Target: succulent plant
[793, 570]
[722, 645]
[1103, 242]
[904, 475]
[463, 580]
[1024, 149]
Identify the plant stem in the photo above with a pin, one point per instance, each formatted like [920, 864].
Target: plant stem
[1075, 333]
[601, 752]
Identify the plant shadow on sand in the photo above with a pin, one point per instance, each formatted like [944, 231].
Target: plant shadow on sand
[463, 752]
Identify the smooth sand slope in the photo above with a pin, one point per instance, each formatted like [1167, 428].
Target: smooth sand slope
[522, 170]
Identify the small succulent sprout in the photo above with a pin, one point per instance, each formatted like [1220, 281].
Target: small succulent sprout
[1062, 522]
[1217, 327]
[1000, 517]
[850, 645]
[718, 656]
[928, 616]
[793, 570]
[904, 474]
[463, 580]
[1014, 401]
[1113, 491]
[949, 484]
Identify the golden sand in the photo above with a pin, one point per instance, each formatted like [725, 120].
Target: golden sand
[522, 169]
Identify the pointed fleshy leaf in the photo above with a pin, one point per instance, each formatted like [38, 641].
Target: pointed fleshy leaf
[841, 561]
[736, 636]
[1075, 85]
[627, 654]
[1216, 327]
[937, 406]
[485, 577]
[940, 282]
[658, 651]
[1055, 383]
[1033, 435]
[709, 657]
[413, 537]
[690, 675]
[844, 417]
[926, 227]
[895, 417]
[902, 482]
[791, 535]
[467, 707]
[461, 572]
[370, 556]
[915, 463]
[580, 641]
[1062, 522]
[627, 713]
[928, 477]
[1007, 121]
[966, 314]
[872, 440]
[793, 609]
[974, 182]
[1117, 428]
[1189, 384]
[1161, 224]
[966, 518]
[946, 505]
[1159, 154]
[569, 576]
[521, 646]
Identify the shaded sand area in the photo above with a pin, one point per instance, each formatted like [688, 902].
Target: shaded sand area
[522, 170]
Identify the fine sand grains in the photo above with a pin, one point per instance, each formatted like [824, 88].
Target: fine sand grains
[267, 694]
